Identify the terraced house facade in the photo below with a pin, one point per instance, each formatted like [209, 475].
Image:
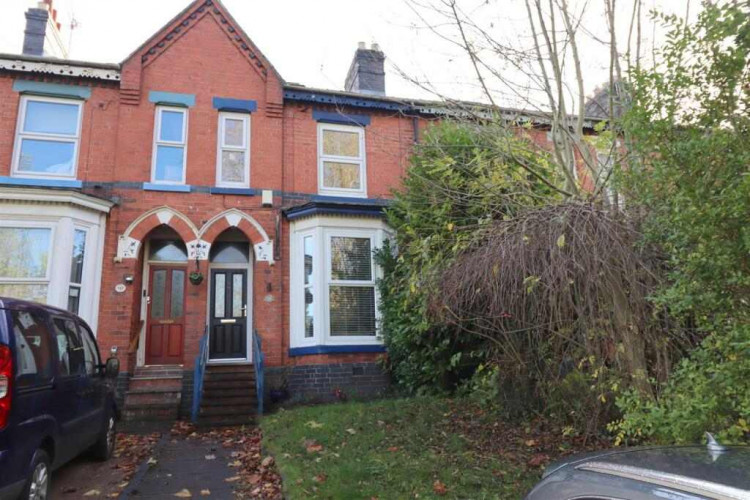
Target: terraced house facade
[193, 207]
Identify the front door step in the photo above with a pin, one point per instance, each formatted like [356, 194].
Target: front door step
[229, 396]
[154, 393]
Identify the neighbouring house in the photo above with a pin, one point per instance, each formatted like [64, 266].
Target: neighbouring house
[189, 201]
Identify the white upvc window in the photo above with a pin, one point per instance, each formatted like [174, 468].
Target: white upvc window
[48, 134]
[351, 309]
[334, 299]
[170, 145]
[233, 151]
[342, 167]
[25, 259]
[77, 269]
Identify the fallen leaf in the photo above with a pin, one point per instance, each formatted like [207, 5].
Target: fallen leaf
[232, 479]
[312, 424]
[351, 431]
[152, 461]
[439, 488]
[538, 460]
[205, 493]
[314, 448]
[254, 479]
[236, 463]
[210, 457]
[268, 461]
[530, 443]
[183, 493]
[393, 449]
[92, 493]
[320, 478]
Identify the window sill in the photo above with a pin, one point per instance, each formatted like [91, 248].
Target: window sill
[335, 349]
[54, 183]
[233, 191]
[174, 188]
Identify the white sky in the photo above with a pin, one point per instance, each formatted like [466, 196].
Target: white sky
[312, 41]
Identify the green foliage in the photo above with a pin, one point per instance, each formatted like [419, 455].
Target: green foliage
[689, 130]
[462, 177]
[709, 391]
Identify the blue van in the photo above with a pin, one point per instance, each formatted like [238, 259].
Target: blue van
[57, 399]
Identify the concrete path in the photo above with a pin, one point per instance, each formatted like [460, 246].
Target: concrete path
[184, 468]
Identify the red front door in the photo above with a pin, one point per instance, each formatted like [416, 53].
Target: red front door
[165, 328]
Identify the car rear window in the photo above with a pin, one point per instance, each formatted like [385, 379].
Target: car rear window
[33, 350]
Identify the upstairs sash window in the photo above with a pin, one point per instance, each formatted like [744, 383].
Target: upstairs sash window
[341, 160]
[47, 138]
[170, 144]
[233, 161]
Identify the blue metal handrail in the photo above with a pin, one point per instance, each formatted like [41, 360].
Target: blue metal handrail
[199, 371]
[258, 364]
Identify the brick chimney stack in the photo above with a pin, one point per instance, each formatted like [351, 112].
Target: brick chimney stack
[42, 34]
[367, 71]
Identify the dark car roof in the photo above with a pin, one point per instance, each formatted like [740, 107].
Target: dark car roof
[670, 465]
[11, 303]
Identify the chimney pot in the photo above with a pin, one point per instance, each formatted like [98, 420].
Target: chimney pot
[367, 72]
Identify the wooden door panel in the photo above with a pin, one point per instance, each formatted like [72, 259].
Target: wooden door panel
[166, 316]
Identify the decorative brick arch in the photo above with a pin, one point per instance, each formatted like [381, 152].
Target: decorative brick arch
[262, 244]
[129, 243]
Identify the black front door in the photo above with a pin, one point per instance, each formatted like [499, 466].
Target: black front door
[228, 316]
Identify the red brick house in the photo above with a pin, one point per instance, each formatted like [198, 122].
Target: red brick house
[120, 183]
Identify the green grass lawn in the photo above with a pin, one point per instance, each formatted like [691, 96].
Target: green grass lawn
[402, 448]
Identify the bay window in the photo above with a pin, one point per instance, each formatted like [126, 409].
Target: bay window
[334, 296]
[24, 261]
[76, 270]
[50, 251]
[341, 160]
[170, 144]
[47, 137]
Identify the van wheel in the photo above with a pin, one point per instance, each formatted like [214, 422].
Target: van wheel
[37, 486]
[105, 444]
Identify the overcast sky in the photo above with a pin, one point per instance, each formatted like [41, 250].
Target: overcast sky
[312, 41]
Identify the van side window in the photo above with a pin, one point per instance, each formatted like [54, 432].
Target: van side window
[33, 350]
[71, 353]
[89, 348]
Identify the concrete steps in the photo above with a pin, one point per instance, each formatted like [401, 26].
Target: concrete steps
[154, 393]
[229, 396]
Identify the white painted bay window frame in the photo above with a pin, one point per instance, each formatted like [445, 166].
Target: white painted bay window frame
[158, 141]
[43, 136]
[361, 161]
[63, 213]
[222, 146]
[322, 230]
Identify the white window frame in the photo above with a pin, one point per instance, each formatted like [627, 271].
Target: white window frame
[361, 161]
[221, 147]
[322, 229]
[329, 282]
[158, 142]
[84, 274]
[20, 135]
[47, 278]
